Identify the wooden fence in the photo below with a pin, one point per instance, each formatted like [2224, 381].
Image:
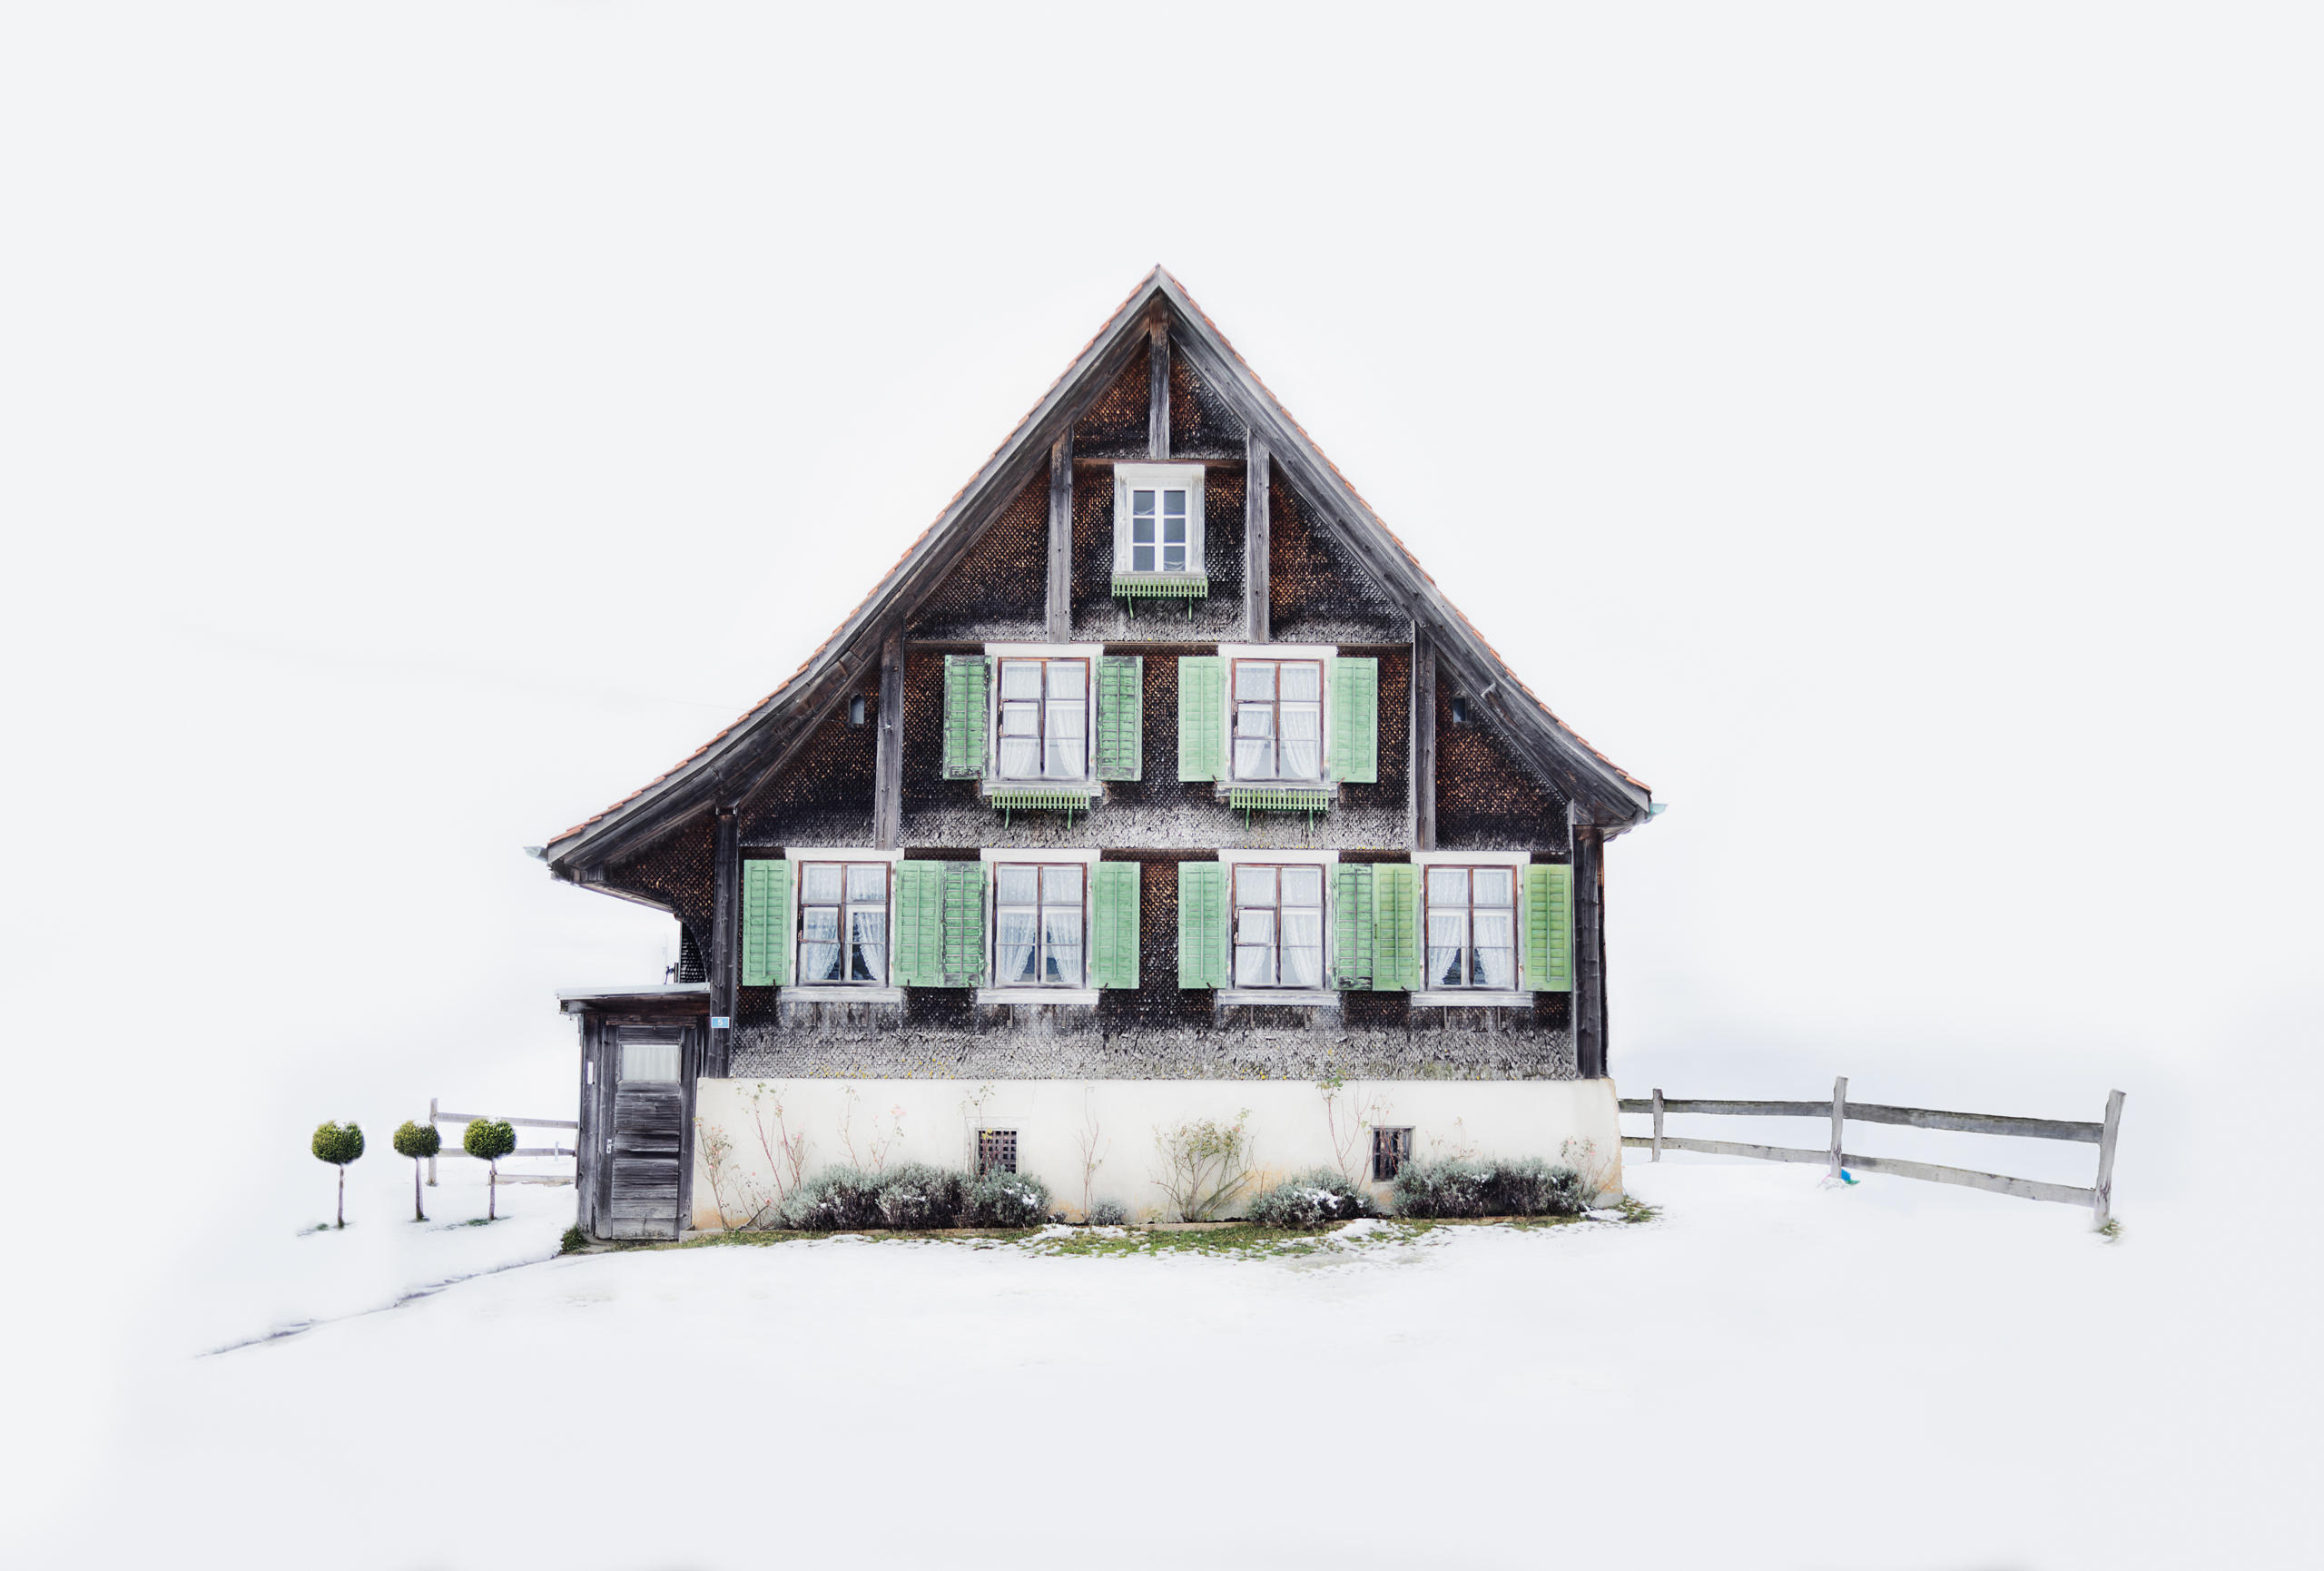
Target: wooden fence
[452, 1147]
[2099, 1197]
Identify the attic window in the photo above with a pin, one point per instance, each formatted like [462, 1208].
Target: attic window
[1158, 531]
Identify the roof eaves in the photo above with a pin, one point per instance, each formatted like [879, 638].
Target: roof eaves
[1187, 300]
[1149, 285]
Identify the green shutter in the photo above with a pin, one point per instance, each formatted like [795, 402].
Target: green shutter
[963, 922]
[1202, 924]
[1549, 927]
[1113, 923]
[1355, 720]
[1121, 704]
[1396, 913]
[1202, 720]
[965, 677]
[918, 955]
[1352, 925]
[767, 923]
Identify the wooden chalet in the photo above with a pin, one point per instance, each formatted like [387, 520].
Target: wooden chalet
[1157, 780]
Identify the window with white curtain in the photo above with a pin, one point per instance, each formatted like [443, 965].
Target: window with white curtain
[1043, 732]
[1472, 927]
[1038, 923]
[843, 922]
[1278, 719]
[1278, 926]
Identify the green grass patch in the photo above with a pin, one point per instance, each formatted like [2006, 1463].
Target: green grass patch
[1236, 1242]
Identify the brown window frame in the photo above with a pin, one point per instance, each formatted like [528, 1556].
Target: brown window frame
[1468, 908]
[1235, 704]
[1041, 928]
[1235, 907]
[847, 945]
[1000, 704]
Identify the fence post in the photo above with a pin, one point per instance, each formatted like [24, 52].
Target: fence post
[1657, 1125]
[2102, 1205]
[1839, 1112]
[431, 1124]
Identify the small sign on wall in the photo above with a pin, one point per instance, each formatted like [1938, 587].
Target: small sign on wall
[719, 1022]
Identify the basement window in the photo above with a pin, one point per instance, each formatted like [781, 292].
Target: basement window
[996, 1152]
[1391, 1150]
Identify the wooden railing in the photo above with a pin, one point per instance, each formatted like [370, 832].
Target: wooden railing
[452, 1147]
[2099, 1197]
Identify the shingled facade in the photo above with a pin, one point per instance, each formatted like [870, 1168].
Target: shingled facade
[1156, 760]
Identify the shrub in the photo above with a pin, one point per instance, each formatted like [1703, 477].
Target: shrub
[836, 1199]
[1006, 1199]
[1311, 1200]
[1470, 1186]
[488, 1140]
[338, 1144]
[419, 1141]
[574, 1241]
[915, 1195]
[1203, 1164]
[1107, 1214]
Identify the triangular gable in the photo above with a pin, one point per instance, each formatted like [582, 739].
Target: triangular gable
[1219, 395]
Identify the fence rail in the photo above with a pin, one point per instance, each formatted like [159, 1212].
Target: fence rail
[2099, 1197]
[437, 1115]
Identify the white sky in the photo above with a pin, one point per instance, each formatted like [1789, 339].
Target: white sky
[1892, 436]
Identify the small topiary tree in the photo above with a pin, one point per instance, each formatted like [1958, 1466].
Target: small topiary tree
[338, 1144]
[419, 1141]
[488, 1140]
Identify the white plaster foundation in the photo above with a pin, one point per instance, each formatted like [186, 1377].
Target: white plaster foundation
[887, 1122]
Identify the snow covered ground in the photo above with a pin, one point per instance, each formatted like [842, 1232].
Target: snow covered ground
[1771, 1373]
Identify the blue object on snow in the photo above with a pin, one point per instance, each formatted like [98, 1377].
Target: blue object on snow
[1847, 1177]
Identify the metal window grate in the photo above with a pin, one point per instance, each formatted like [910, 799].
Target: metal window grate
[996, 1151]
[1391, 1150]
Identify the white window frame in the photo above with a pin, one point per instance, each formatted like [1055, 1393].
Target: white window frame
[993, 780]
[1520, 996]
[992, 994]
[1322, 655]
[1325, 996]
[838, 991]
[1129, 478]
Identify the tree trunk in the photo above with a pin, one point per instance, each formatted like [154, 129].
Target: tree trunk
[491, 1192]
[417, 1214]
[342, 1194]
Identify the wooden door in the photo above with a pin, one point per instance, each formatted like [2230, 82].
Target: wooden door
[648, 1066]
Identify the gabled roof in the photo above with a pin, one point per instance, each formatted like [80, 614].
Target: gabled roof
[762, 739]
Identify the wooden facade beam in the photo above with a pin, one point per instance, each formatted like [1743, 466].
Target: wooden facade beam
[1060, 601]
[888, 765]
[1565, 762]
[1157, 388]
[1258, 472]
[1423, 735]
[1589, 950]
[725, 955]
